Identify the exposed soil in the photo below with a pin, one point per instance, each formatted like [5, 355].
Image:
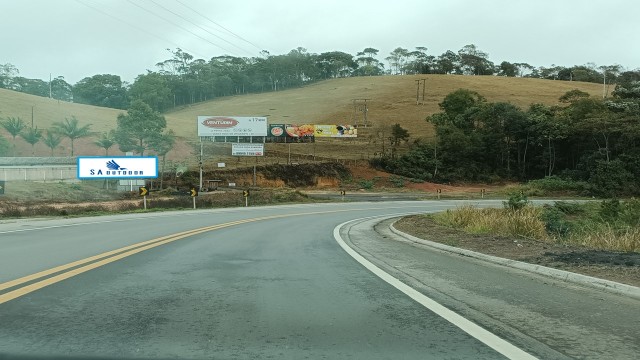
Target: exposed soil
[609, 265]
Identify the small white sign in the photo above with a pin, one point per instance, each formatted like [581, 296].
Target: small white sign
[221, 165]
[232, 184]
[247, 149]
[117, 167]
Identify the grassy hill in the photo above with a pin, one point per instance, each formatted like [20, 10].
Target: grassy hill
[392, 100]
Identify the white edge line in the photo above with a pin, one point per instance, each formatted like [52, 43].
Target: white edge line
[493, 341]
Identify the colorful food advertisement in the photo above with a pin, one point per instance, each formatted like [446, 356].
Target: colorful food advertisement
[299, 131]
[335, 131]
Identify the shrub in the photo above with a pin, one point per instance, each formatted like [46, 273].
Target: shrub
[366, 184]
[610, 210]
[396, 181]
[516, 202]
[555, 183]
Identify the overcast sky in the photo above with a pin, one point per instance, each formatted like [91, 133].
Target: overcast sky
[81, 38]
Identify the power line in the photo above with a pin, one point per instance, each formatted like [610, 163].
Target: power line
[220, 26]
[179, 26]
[200, 27]
[135, 27]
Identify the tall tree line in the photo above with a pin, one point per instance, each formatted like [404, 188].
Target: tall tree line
[183, 79]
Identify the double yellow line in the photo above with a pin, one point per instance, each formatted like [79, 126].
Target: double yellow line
[90, 263]
[63, 272]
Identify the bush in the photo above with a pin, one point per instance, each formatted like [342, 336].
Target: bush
[555, 222]
[610, 210]
[396, 181]
[555, 183]
[366, 184]
[516, 202]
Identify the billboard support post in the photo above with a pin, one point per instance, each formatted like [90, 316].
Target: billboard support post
[200, 163]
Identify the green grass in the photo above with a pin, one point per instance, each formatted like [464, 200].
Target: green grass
[608, 225]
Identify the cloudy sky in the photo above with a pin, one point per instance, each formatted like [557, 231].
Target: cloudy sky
[80, 38]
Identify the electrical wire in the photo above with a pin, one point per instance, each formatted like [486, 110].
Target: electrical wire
[180, 26]
[136, 27]
[220, 26]
[200, 27]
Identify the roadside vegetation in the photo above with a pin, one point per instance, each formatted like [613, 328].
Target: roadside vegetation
[612, 225]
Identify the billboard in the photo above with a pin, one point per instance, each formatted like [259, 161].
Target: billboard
[244, 149]
[117, 167]
[232, 126]
[277, 130]
[335, 131]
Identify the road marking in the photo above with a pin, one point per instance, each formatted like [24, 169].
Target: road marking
[80, 266]
[493, 341]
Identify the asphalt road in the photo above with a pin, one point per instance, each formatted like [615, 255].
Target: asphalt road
[268, 282]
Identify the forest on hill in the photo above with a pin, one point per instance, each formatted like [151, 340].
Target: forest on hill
[183, 79]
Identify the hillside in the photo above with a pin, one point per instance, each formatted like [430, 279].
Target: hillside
[392, 100]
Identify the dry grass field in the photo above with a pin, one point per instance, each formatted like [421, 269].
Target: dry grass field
[392, 100]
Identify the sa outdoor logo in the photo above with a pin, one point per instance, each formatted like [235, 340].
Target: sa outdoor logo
[114, 169]
[220, 122]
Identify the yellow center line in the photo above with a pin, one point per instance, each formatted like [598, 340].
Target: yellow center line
[108, 257]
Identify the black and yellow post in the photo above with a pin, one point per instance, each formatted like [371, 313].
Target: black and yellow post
[143, 191]
[193, 192]
[482, 192]
[246, 194]
[342, 194]
[439, 193]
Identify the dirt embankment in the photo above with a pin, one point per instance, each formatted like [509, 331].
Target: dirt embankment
[609, 265]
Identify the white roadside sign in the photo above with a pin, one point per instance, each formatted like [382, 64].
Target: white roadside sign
[117, 167]
[247, 149]
[232, 126]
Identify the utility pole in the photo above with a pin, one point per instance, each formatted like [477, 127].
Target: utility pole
[423, 81]
[50, 86]
[604, 84]
[360, 105]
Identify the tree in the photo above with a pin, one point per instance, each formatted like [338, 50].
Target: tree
[448, 63]
[32, 136]
[52, 140]
[60, 89]
[4, 146]
[70, 128]
[162, 144]
[138, 128]
[508, 69]
[397, 59]
[474, 61]
[106, 141]
[398, 134]
[101, 90]
[7, 73]
[14, 126]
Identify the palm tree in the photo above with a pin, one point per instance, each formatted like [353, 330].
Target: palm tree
[52, 140]
[162, 144]
[70, 129]
[14, 126]
[32, 136]
[106, 141]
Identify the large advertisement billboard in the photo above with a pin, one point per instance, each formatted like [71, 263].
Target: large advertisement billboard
[232, 126]
[117, 167]
[335, 131]
[244, 149]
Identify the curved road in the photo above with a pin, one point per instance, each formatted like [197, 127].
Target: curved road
[268, 282]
